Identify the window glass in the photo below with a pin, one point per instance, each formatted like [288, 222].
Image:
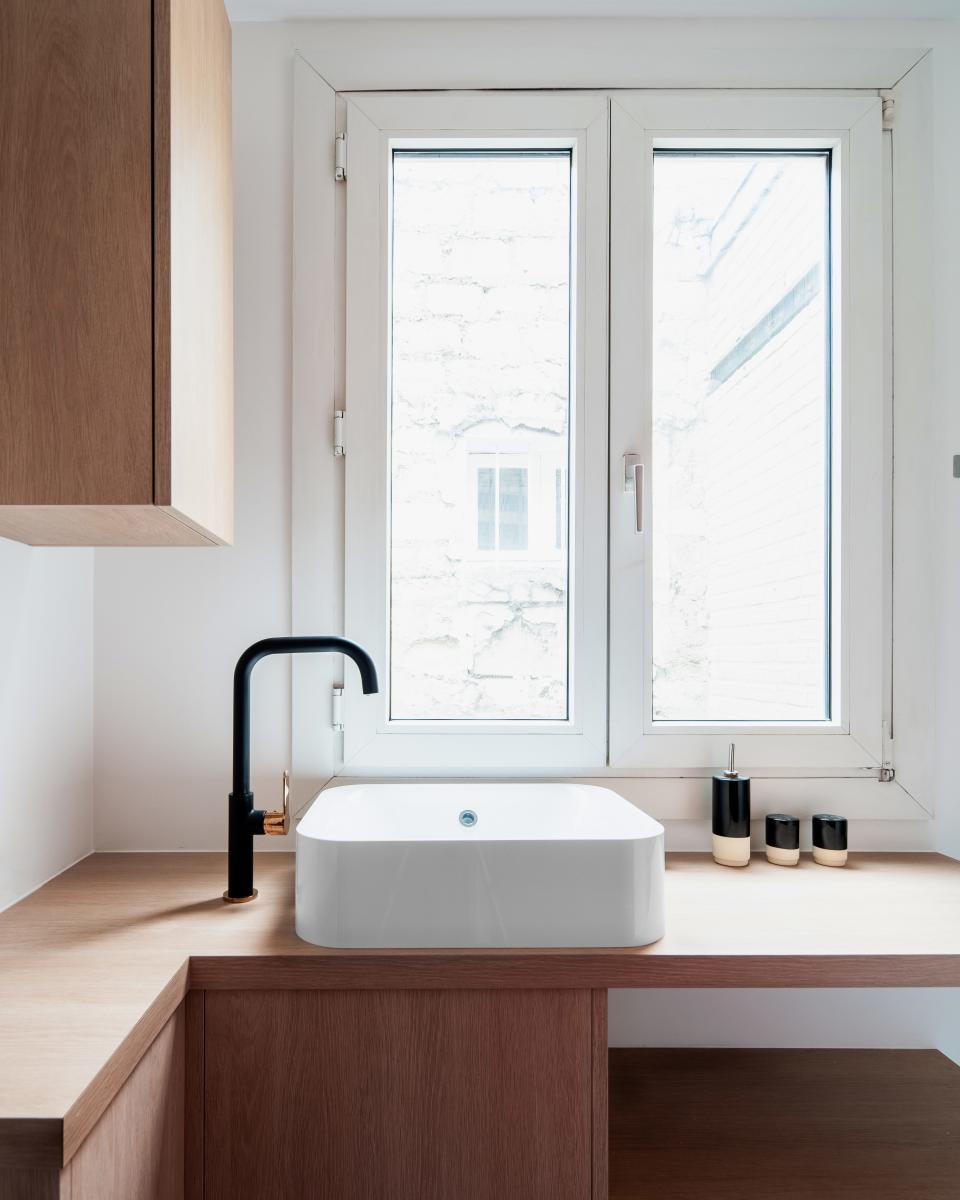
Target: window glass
[741, 449]
[480, 324]
[486, 508]
[513, 508]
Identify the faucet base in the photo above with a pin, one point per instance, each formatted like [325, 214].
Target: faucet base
[240, 899]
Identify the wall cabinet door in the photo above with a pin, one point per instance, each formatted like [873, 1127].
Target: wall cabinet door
[403, 1095]
[116, 310]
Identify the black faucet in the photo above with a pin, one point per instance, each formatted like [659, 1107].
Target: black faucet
[245, 820]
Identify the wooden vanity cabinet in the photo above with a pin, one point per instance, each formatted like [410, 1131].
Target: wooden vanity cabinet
[368, 1094]
[483, 1094]
[116, 245]
[405, 1095]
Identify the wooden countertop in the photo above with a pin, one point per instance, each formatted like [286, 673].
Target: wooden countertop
[93, 964]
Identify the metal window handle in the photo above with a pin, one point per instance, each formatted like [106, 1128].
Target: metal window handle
[633, 482]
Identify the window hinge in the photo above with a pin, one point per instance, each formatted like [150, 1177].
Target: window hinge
[885, 772]
[340, 157]
[338, 448]
[887, 102]
[336, 709]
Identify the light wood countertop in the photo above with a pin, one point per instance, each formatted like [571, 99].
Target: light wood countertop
[93, 964]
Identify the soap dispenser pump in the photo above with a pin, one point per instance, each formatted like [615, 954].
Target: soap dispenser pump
[731, 816]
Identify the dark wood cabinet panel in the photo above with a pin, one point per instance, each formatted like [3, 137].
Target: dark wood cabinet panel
[790, 1124]
[400, 1095]
[41, 1184]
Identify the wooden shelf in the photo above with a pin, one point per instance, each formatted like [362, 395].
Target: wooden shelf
[790, 1124]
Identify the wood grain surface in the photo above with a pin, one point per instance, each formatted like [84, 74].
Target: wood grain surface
[76, 318]
[784, 1125]
[193, 1118]
[601, 1090]
[193, 231]
[49, 1184]
[119, 937]
[413, 1095]
[135, 1152]
[116, 245]
[98, 525]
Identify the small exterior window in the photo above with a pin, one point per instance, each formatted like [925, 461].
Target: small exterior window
[502, 508]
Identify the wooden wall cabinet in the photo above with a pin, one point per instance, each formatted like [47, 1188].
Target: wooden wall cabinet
[116, 298]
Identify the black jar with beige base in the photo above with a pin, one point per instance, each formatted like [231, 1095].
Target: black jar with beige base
[830, 840]
[782, 836]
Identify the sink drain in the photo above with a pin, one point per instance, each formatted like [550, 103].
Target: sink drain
[468, 817]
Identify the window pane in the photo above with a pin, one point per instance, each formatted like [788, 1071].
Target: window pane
[741, 437]
[513, 508]
[559, 519]
[480, 304]
[486, 509]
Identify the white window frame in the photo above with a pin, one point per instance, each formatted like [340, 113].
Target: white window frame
[331, 59]
[375, 123]
[850, 127]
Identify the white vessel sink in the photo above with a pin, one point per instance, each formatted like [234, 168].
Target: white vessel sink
[478, 865]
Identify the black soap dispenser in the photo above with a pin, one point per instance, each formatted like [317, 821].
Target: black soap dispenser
[731, 817]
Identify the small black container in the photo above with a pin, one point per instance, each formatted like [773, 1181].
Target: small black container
[731, 817]
[782, 839]
[830, 840]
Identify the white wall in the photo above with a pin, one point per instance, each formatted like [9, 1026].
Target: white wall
[46, 714]
[170, 623]
[893, 1018]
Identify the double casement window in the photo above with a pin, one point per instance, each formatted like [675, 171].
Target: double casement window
[616, 480]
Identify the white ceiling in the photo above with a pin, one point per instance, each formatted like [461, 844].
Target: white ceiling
[280, 10]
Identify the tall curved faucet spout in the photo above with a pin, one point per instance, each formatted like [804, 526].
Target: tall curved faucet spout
[245, 821]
